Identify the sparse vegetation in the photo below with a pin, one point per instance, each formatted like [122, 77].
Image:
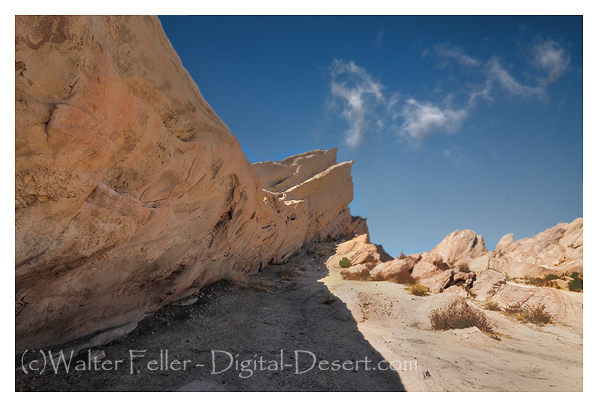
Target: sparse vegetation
[460, 315]
[417, 289]
[537, 315]
[245, 281]
[575, 285]
[534, 281]
[551, 276]
[404, 278]
[464, 268]
[363, 275]
[288, 273]
[344, 262]
[492, 305]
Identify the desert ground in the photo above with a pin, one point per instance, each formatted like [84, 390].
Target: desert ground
[301, 309]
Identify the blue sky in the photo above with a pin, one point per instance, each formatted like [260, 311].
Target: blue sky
[453, 122]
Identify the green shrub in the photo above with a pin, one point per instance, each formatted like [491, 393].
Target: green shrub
[551, 276]
[345, 263]
[575, 285]
[417, 289]
[492, 305]
[459, 315]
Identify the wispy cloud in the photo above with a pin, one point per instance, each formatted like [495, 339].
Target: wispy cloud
[552, 57]
[359, 94]
[498, 74]
[450, 51]
[421, 119]
[367, 109]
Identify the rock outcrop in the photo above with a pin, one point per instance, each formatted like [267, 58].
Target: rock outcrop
[462, 265]
[359, 251]
[130, 191]
[556, 250]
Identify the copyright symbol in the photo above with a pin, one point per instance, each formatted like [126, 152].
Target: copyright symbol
[38, 365]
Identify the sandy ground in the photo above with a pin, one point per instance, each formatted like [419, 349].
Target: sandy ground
[299, 327]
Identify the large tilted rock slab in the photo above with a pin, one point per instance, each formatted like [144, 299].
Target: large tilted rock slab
[130, 191]
[556, 250]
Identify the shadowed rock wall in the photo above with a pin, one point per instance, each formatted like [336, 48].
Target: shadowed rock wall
[130, 191]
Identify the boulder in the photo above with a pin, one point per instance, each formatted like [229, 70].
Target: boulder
[487, 284]
[359, 251]
[398, 269]
[457, 248]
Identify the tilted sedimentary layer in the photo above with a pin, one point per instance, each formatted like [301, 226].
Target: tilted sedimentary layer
[130, 191]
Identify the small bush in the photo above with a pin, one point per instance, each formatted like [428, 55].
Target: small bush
[492, 305]
[345, 263]
[459, 315]
[575, 285]
[358, 276]
[404, 278]
[245, 281]
[533, 281]
[537, 315]
[551, 276]
[464, 268]
[288, 274]
[417, 289]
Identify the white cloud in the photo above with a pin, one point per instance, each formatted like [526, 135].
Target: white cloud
[497, 73]
[359, 94]
[551, 57]
[453, 52]
[367, 110]
[421, 119]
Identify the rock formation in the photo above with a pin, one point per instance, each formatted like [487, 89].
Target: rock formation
[461, 264]
[130, 191]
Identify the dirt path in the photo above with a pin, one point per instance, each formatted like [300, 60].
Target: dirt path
[329, 334]
[278, 311]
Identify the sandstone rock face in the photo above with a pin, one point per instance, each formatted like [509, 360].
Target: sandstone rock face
[456, 248]
[398, 269]
[487, 284]
[281, 176]
[556, 250]
[130, 191]
[559, 304]
[359, 251]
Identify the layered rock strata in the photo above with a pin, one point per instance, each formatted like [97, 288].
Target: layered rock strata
[130, 191]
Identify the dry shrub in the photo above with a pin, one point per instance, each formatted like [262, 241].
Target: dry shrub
[533, 281]
[492, 305]
[459, 315]
[359, 276]
[463, 267]
[404, 277]
[537, 315]
[288, 274]
[251, 282]
[417, 289]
